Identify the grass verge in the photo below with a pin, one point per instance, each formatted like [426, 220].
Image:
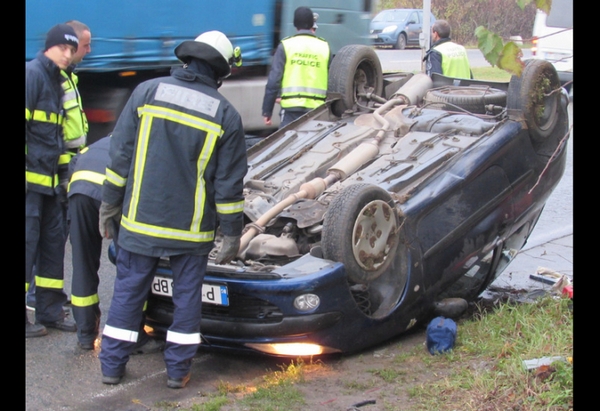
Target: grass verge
[484, 372]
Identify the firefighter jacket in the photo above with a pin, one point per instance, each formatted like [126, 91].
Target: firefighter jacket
[304, 82]
[177, 164]
[87, 169]
[449, 59]
[75, 127]
[43, 126]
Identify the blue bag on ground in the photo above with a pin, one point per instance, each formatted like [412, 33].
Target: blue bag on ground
[441, 334]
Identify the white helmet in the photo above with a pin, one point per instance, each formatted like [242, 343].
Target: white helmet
[214, 48]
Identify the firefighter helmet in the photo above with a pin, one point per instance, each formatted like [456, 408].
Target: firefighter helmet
[214, 48]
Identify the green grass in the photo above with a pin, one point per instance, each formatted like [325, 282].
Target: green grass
[490, 74]
[484, 371]
[493, 347]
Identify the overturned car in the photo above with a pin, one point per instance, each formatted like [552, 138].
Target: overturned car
[400, 192]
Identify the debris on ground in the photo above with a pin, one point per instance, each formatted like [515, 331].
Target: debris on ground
[539, 362]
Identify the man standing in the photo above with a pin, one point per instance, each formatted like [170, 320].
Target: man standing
[44, 222]
[75, 124]
[177, 163]
[86, 175]
[446, 57]
[299, 71]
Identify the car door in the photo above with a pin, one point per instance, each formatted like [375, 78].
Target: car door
[413, 27]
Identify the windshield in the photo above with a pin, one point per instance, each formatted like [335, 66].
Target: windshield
[392, 15]
[561, 14]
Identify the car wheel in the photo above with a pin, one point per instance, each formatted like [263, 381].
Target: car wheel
[354, 71]
[401, 42]
[537, 94]
[360, 229]
[471, 99]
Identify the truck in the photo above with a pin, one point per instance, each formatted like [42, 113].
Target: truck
[133, 41]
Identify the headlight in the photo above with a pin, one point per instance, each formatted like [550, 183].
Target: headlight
[292, 349]
[307, 302]
[389, 29]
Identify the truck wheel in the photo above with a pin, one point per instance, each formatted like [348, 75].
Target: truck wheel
[537, 94]
[354, 71]
[471, 99]
[401, 42]
[360, 230]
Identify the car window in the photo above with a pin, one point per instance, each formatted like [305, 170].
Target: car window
[413, 17]
[400, 15]
[561, 14]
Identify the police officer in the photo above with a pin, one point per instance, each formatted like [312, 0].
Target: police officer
[87, 173]
[177, 163]
[446, 57]
[299, 72]
[44, 223]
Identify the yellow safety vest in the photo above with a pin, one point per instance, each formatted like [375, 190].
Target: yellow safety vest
[455, 61]
[304, 82]
[75, 126]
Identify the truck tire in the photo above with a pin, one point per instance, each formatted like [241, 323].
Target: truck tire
[536, 93]
[471, 99]
[354, 71]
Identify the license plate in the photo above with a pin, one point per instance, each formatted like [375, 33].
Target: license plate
[211, 293]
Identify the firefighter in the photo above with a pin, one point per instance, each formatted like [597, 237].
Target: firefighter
[45, 182]
[87, 173]
[75, 124]
[177, 163]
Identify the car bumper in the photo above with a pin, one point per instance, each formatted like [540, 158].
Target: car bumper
[382, 39]
[261, 310]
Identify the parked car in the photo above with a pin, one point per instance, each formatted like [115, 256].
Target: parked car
[398, 28]
[400, 193]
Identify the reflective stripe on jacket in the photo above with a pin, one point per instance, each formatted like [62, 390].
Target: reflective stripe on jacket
[178, 159]
[455, 61]
[43, 125]
[304, 82]
[75, 126]
[87, 169]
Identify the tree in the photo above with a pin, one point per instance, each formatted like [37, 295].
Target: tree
[506, 56]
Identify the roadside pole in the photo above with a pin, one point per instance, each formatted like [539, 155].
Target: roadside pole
[425, 36]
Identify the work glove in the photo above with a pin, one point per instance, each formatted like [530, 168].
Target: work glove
[229, 249]
[61, 191]
[110, 215]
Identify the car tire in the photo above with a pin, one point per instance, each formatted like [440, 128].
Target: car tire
[355, 70]
[471, 99]
[536, 93]
[360, 230]
[401, 42]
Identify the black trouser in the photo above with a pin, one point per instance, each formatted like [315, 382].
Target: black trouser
[291, 114]
[86, 245]
[45, 248]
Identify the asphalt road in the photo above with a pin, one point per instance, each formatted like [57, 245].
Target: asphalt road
[61, 377]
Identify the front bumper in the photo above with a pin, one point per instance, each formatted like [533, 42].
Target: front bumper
[261, 310]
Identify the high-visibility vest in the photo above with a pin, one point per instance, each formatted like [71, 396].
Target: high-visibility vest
[75, 125]
[304, 82]
[455, 61]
